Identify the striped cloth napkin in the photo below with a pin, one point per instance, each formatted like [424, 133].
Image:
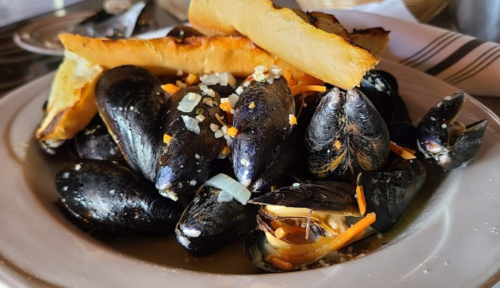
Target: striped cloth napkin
[463, 61]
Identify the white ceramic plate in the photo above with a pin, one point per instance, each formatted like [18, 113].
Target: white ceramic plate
[41, 36]
[451, 240]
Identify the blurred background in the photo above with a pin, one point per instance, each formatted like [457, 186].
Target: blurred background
[18, 66]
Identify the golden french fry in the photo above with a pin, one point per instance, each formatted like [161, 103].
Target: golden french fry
[71, 104]
[373, 39]
[282, 32]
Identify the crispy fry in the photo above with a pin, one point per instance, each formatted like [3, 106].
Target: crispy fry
[282, 32]
[166, 56]
[373, 39]
[71, 103]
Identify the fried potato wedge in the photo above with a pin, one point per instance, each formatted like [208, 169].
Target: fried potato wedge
[373, 39]
[166, 56]
[325, 22]
[71, 104]
[282, 32]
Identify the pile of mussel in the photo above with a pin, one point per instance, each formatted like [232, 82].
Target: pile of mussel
[143, 161]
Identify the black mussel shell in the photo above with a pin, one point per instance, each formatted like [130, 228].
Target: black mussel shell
[389, 193]
[448, 143]
[182, 32]
[346, 136]
[208, 225]
[323, 195]
[106, 197]
[291, 155]
[184, 162]
[94, 142]
[261, 116]
[404, 134]
[130, 101]
[381, 88]
[379, 92]
[223, 91]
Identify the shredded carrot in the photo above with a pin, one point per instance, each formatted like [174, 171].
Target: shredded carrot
[361, 200]
[167, 138]
[274, 260]
[226, 106]
[332, 245]
[355, 229]
[170, 88]
[226, 150]
[232, 131]
[404, 152]
[309, 80]
[220, 119]
[289, 78]
[191, 79]
[297, 89]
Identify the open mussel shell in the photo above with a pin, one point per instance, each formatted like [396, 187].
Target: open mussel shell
[255, 244]
[447, 142]
[130, 101]
[322, 195]
[184, 161]
[207, 225]
[106, 197]
[315, 211]
[346, 136]
[262, 117]
[388, 193]
[94, 142]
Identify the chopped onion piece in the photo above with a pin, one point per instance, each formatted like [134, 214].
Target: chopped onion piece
[229, 140]
[276, 71]
[224, 197]
[231, 80]
[233, 98]
[200, 118]
[188, 102]
[214, 127]
[239, 90]
[191, 124]
[231, 186]
[218, 134]
[223, 79]
[224, 129]
[209, 79]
